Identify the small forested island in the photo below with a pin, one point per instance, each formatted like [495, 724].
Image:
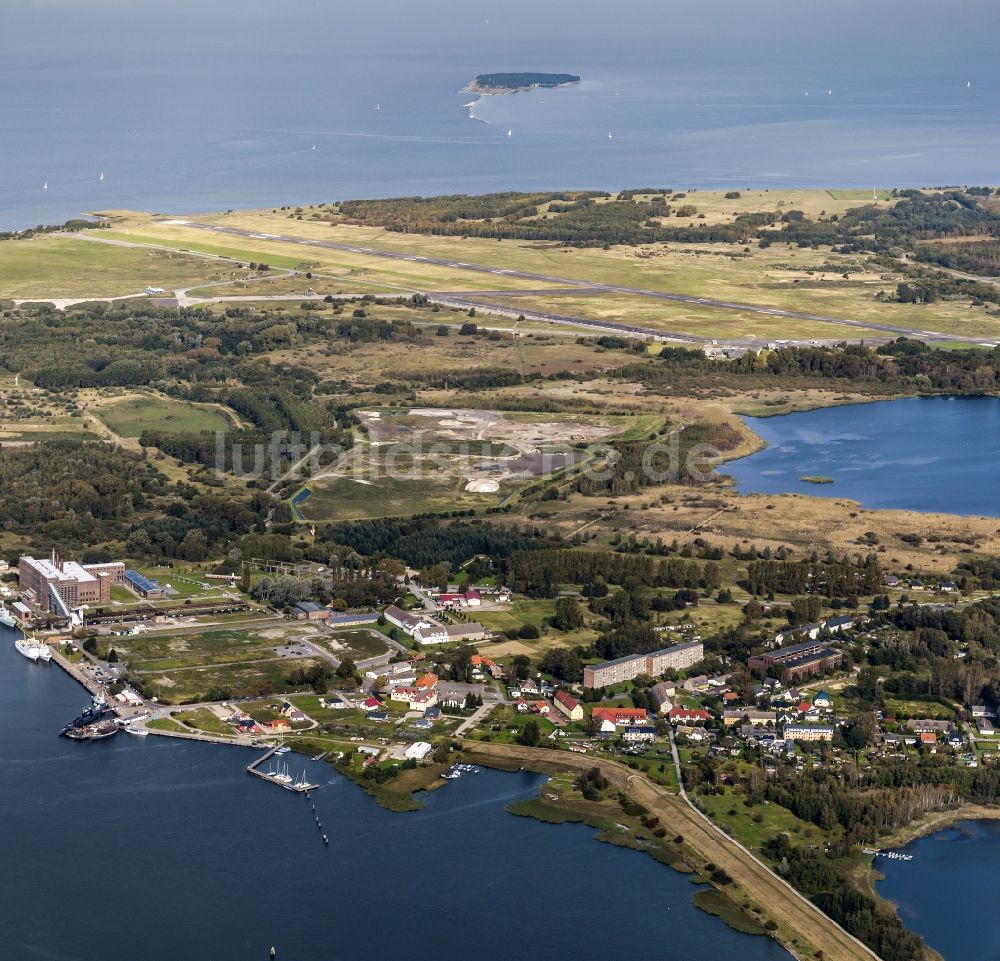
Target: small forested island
[499, 83]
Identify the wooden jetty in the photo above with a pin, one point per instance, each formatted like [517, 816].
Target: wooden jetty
[296, 787]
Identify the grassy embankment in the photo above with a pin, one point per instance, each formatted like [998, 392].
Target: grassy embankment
[748, 885]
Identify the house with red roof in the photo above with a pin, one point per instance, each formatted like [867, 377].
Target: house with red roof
[465, 599]
[620, 716]
[688, 715]
[568, 705]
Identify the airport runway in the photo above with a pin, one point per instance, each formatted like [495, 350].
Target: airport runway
[585, 287]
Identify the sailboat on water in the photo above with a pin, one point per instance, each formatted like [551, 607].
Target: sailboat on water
[102, 176]
[45, 186]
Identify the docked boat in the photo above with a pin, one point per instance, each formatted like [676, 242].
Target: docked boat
[137, 731]
[32, 649]
[94, 732]
[97, 711]
[282, 776]
[6, 618]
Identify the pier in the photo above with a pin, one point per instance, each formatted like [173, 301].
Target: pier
[892, 855]
[297, 787]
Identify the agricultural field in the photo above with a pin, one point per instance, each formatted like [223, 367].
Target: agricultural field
[132, 413]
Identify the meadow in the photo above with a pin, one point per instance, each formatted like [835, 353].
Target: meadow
[781, 276]
[60, 266]
[130, 415]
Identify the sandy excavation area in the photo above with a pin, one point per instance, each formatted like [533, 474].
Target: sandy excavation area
[429, 424]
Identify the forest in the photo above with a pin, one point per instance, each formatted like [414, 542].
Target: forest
[902, 365]
[517, 81]
[591, 219]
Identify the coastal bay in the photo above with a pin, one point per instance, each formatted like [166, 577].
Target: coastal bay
[176, 828]
[961, 857]
[925, 454]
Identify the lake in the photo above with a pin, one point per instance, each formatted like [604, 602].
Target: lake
[164, 849]
[946, 893]
[193, 106]
[918, 454]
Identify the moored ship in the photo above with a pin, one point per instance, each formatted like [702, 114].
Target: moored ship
[92, 715]
[94, 732]
[6, 618]
[33, 650]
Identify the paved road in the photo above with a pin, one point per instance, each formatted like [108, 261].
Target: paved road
[590, 286]
[473, 719]
[421, 595]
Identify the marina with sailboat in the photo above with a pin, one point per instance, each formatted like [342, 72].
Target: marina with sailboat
[279, 775]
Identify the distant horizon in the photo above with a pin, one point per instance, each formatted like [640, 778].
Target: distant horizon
[197, 109]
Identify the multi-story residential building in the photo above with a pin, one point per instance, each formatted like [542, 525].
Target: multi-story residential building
[798, 661]
[656, 664]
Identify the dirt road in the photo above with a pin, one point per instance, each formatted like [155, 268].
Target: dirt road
[782, 901]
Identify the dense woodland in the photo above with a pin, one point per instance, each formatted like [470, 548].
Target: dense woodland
[70, 495]
[645, 216]
[900, 366]
[515, 81]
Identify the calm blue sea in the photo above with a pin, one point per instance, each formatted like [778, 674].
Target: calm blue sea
[919, 454]
[946, 893]
[192, 105]
[159, 849]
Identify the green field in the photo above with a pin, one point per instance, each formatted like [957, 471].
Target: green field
[342, 498]
[56, 266]
[131, 415]
[182, 666]
[359, 643]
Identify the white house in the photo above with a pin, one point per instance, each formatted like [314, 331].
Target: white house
[431, 633]
[418, 751]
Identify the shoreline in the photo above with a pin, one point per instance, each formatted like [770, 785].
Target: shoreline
[473, 87]
[923, 827]
[940, 821]
[756, 444]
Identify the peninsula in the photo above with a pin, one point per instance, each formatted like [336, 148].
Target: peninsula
[503, 544]
[501, 83]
